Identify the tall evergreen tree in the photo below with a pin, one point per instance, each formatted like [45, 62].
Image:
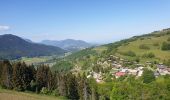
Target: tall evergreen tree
[62, 85]
[18, 76]
[6, 75]
[43, 77]
[72, 87]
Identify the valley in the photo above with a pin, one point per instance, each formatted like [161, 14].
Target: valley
[101, 72]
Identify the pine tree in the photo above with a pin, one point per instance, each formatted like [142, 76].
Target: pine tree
[62, 85]
[72, 87]
[6, 75]
[83, 88]
[18, 76]
[43, 77]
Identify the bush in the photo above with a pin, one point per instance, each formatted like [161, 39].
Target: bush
[142, 38]
[55, 92]
[143, 46]
[155, 44]
[44, 90]
[148, 76]
[148, 55]
[167, 62]
[168, 39]
[158, 35]
[165, 46]
[130, 53]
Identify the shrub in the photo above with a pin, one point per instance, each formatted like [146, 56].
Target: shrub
[44, 90]
[165, 46]
[55, 92]
[130, 53]
[155, 44]
[158, 35]
[148, 76]
[142, 38]
[143, 46]
[168, 39]
[148, 55]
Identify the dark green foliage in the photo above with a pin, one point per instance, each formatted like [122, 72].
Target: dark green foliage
[143, 46]
[148, 55]
[165, 46]
[148, 76]
[83, 87]
[6, 74]
[22, 76]
[72, 87]
[43, 77]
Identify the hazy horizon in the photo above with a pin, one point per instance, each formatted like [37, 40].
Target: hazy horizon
[91, 21]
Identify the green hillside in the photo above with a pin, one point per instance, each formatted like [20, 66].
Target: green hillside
[147, 47]
[144, 48]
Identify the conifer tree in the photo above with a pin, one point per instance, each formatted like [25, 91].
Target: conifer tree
[18, 76]
[72, 87]
[6, 75]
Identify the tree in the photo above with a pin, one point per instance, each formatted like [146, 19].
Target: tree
[72, 87]
[6, 75]
[62, 85]
[43, 77]
[83, 87]
[28, 76]
[148, 76]
[19, 76]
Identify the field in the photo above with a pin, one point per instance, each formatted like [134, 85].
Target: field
[13, 95]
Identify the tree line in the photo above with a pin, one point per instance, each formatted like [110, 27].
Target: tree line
[21, 77]
[40, 79]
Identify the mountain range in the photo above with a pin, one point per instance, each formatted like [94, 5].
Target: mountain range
[12, 46]
[68, 44]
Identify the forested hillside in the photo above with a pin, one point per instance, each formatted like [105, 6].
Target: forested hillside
[12, 46]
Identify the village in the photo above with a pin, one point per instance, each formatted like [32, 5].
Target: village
[118, 69]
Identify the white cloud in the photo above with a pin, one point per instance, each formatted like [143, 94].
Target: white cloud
[4, 27]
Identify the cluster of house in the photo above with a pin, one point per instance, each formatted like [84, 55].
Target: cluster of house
[162, 70]
[118, 70]
[138, 71]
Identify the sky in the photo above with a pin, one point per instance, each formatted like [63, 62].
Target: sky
[97, 21]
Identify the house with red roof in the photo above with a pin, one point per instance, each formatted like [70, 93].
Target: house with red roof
[119, 74]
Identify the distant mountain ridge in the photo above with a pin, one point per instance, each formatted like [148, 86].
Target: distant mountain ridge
[12, 46]
[68, 44]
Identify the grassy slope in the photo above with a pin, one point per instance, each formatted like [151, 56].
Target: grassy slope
[13, 95]
[149, 41]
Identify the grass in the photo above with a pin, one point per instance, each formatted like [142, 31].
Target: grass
[34, 60]
[13, 95]
[100, 49]
[134, 46]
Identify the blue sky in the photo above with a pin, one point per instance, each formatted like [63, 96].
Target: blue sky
[100, 21]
